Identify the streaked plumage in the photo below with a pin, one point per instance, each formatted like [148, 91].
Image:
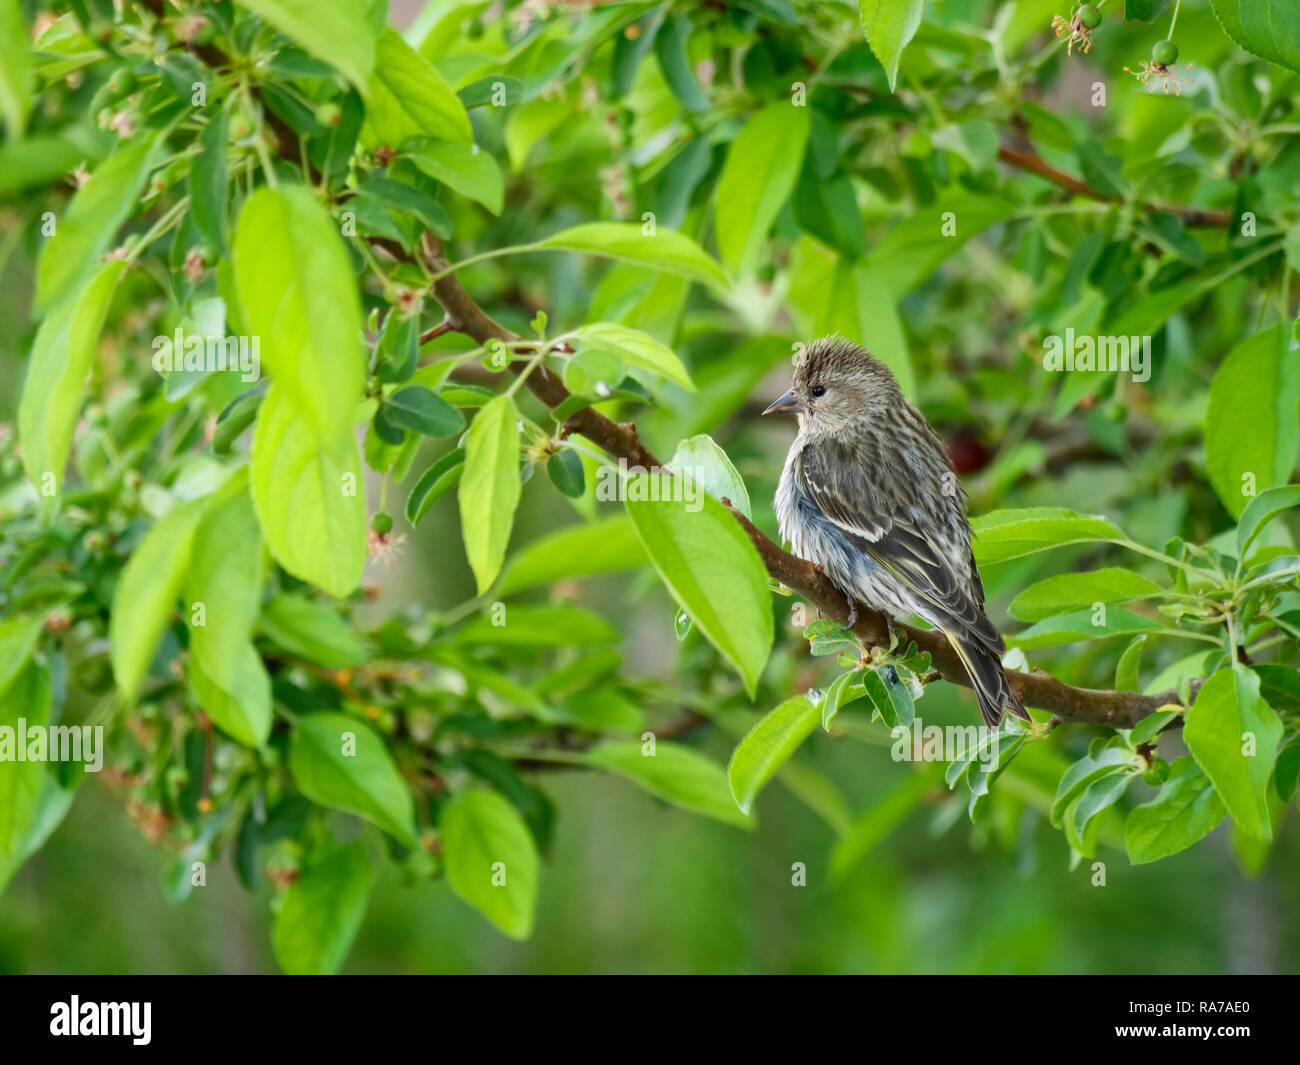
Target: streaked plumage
[869, 494]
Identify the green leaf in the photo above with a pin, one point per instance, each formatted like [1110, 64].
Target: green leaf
[562, 625]
[1072, 591]
[670, 50]
[489, 488]
[240, 705]
[339, 762]
[1186, 811]
[311, 631]
[18, 636]
[423, 411]
[635, 349]
[409, 98]
[1007, 534]
[146, 594]
[26, 699]
[61, 358]
[704, 461]
[1261, 510]
[709, 565]
[491, 859]
[889, 695]
[333, 30]
[1083, 773]
[434, 483]
[664, 250]
[1269, 29]
[408, 200]
[322, 911]
[1226, 716]
[85, 231]
[605, 546]
[223, 590]
[299, 296]
[757, 178]
[677, 774]
[1251, 427]
[464, 169]
[16, 75]
[889, 26]
[309, 497]
[767, 746]
[1081, 625]
[1127, 669]
[208, 184]
[566, 472]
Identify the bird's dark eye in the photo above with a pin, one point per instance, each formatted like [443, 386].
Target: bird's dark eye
[818, 390]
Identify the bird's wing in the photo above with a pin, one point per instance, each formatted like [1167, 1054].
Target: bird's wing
[880, 507]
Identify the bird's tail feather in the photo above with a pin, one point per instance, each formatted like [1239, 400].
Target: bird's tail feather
[992, 689]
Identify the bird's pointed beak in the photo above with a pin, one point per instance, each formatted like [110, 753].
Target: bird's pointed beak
[787, 403]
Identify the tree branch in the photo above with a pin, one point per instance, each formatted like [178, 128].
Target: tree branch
[1028, 159]
[1038, 689]
[1114, 709]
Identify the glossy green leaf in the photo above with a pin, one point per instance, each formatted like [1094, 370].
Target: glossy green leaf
[677, 774]
[491, 859]
[767, 746]
[85, 231]
[662, 249]
[1233, 734]
[409, 98]
[489, 488]
[339, 762]
[311, 631]
[709, 565]
[61, 357]
[16, 76]
[1251, 424]
[309, 497]
[1007, 534]
[757, 178]
[635, 349]
[889, 26]
[465, 169]
[1186, 811]
[299, 297]
[333, 30]
[146, 594]
[322, 911]
[1074, 591]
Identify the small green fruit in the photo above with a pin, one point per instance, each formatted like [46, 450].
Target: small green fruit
[1164, 53]
[122, 83]
[328, 114]
[382, 523]
[1088, 16]
[240, 127]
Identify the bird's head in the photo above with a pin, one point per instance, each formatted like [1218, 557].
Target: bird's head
[835, 384]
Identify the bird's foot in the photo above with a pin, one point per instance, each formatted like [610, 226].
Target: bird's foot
[893, 633]
[853, 612]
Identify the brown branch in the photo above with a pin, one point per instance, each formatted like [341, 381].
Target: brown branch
[1038, 689]
[464, 315]
[1028, 159]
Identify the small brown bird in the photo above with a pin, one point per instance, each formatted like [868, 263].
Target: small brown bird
[869, 494]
